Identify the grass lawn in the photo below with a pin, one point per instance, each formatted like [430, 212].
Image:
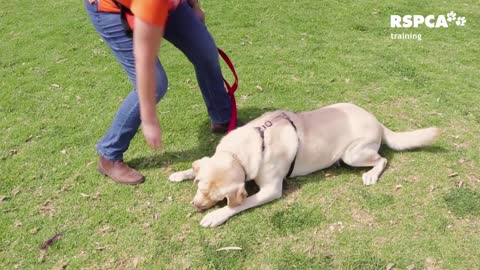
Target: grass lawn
[60, 87]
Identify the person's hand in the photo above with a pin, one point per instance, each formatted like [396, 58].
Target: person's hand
[146, 42]
[153, 134]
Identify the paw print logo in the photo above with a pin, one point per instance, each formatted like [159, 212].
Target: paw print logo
[461, 21]
[451, 16]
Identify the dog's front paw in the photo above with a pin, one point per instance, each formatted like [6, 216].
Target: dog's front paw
[177, 177]
[369, 178]
[214, 219]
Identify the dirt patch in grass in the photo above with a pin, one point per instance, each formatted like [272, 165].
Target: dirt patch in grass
[363, 218]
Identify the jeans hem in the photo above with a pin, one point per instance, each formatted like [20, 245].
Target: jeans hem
[109, 157]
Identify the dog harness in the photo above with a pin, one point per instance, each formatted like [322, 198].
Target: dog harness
[268, 124]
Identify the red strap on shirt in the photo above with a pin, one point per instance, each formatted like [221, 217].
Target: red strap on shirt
[130, 19]
[231, 88]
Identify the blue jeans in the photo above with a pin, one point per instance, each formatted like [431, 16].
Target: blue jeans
[186, 32]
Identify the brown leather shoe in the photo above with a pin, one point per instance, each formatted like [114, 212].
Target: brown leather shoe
[223, 128]
[119, 172]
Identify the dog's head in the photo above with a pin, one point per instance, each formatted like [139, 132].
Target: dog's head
[218, 177]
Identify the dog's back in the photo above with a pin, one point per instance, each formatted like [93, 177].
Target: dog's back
[327, 133]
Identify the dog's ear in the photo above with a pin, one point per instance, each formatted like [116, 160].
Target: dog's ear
[197, 164]
[236, 197]
[196, 180]
[196, 167]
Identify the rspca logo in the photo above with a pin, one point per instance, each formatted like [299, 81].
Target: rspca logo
[430, 21]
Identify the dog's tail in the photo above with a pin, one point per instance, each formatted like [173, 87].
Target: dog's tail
[409, 139]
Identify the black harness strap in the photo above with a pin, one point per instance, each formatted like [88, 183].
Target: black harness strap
[267, 124]
[123, 15]
[292, 165]
[262, 135]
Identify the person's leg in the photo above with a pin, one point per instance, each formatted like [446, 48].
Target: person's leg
[185, 31]
[127, 120]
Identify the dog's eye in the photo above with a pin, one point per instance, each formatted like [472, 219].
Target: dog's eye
[196, 180]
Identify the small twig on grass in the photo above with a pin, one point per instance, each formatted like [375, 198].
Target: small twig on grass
[229, 248]
[330, 205]
[50, 241]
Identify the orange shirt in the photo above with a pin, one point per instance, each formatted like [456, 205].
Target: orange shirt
[151, 11]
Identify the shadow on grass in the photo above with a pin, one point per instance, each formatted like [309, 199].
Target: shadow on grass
[389, 153]
[293, 184]
[287, 218]
[207, 143]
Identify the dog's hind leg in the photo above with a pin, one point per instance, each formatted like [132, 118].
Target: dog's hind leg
[365, 155]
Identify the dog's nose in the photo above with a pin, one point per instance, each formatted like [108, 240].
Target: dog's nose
[198, 208]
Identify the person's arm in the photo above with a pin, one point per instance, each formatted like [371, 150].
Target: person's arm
[146, 42]
[197, 10]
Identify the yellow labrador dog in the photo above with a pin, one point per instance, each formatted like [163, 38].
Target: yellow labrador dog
[283, 144]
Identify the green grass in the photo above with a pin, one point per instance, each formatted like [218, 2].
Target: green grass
[295, 218]
[463, 202]
[60, 87]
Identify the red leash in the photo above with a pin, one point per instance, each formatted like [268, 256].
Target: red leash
[231, 90]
